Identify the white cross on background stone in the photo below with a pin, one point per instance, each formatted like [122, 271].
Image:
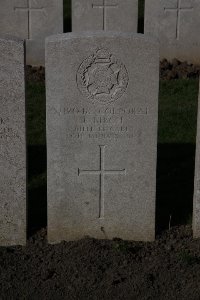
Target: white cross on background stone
[29, 9]
[101, 173]
[178, 9]
[104, 6]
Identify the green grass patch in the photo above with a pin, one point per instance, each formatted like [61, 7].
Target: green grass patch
[36, 134]
[178, 111]
[38, 181]
[36, 114]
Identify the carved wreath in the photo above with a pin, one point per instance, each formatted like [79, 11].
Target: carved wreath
[101, 77]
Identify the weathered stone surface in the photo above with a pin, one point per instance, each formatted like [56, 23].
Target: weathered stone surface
[102, 98]
[32, 20]
[12, 147]
[175, 23]
[117, 15]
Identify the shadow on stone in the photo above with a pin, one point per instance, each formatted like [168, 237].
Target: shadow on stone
[67, 16]
[141, 16]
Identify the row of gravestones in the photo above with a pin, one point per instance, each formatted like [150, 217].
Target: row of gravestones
[174, 22]
[102, 110]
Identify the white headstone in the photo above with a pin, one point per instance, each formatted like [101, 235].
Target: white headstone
[176, 24]
[12, 146]
[32, 20]
[102, 109]
[117, 15]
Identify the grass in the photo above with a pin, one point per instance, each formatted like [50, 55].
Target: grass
[176, 151]
[177, 111]
[36, 115]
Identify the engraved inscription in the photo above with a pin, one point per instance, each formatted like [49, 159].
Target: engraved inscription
[101, 77]
[101, 172]
[29, 9]
[104, 6]
[135, 111]
[178, 9]
[105, 122]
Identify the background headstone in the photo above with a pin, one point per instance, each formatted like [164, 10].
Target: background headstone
[12, 146]
[117, 15]
[176, 24]
[196, 202]
[32, 20]
[102, 107]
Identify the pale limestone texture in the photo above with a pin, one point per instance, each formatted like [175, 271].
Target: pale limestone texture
[102, 109]
[196, 200]
[117, 15]
[32, 20]
[12, 147]
[176, 24]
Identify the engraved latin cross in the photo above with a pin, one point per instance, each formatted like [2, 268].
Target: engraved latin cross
[104, 6]
[178, 9]
[101, 173]
[28, 8]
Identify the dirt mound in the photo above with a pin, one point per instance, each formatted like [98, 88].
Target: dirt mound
[178, 70]
[35, 74]
[168, 268]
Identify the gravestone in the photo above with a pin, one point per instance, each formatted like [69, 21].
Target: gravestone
[116, 15]
[12, 147]
[175, 23]
[102, 108]
[196, 200]
[32, 20]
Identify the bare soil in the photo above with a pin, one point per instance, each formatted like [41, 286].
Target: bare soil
[168, 268]
[178, 70]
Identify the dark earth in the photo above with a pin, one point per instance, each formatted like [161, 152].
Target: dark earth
[168, 268]
[178, 70]
[92, 269]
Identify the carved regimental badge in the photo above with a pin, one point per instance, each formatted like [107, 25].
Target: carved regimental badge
[101, 77]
